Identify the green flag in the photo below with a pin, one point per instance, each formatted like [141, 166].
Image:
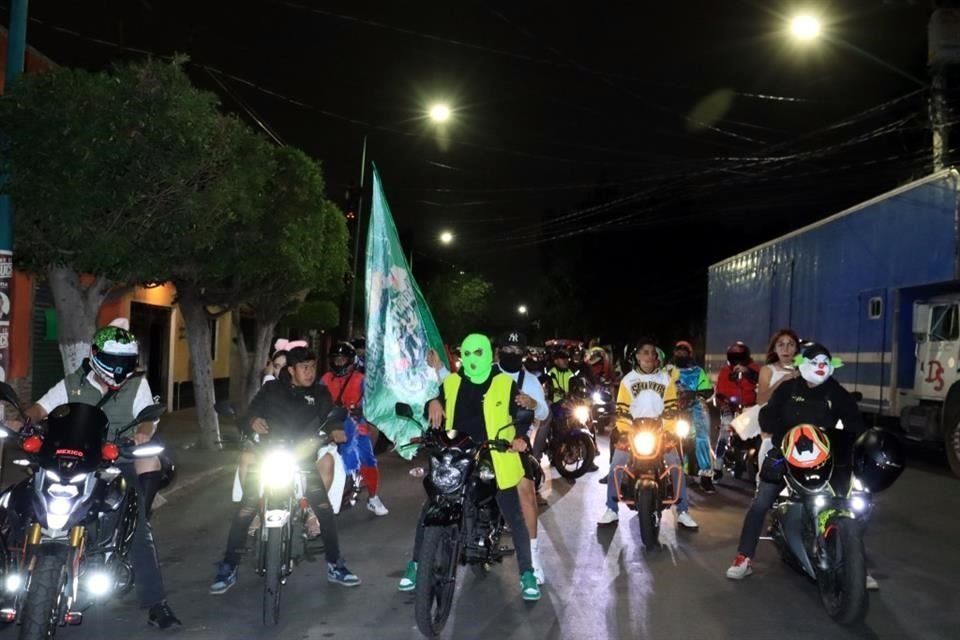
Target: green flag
[400, 331]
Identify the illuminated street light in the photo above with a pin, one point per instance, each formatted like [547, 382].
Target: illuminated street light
[446, 237]
[522, 309]
[440, 112]
[805, 27]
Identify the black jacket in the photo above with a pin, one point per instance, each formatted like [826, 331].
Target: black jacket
[795, 402]
[291, 412]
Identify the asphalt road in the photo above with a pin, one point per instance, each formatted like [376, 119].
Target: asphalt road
[601, 583]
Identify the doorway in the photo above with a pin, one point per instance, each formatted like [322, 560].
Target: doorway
[151, 325]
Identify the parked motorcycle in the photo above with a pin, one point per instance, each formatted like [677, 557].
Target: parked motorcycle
[463, 524]
[738, 456]
[646, 485]
[570, 444]
[67, 528]
[818, 528]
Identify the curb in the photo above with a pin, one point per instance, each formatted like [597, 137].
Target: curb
[165, 497]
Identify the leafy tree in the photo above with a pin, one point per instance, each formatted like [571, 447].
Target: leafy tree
[459, 302]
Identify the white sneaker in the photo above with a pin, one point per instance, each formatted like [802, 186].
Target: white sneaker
[535, 561]
[375, 505]
[686, 521]
[872, 584]
[608, 517]
[740, 568]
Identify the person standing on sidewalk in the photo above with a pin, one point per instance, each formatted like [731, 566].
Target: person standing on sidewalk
[109, 380]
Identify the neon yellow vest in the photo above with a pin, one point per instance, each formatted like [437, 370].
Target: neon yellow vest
[496, 413]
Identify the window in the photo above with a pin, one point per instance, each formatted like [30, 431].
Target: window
[876, 308]
[944, 323]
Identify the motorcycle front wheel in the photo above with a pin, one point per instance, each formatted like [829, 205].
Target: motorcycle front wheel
[41, 610]
[648, 516]
[273, 577]
[842, 584]
[573, 456]
[436, 579]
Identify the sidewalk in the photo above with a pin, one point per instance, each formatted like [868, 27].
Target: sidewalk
[179, 432]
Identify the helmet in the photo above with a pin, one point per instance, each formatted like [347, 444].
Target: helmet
[560, 352]
[115, 355]
[342, 349]
[595, 355]
[878, 459]
[358, 342]
[738, 353]
[808, 456]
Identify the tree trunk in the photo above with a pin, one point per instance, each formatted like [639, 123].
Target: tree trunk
[264, 333]
[199, 335]
[77, 306]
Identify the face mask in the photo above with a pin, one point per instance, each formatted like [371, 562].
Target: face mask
[682, 361]
[816, 371]
[511, 362]
[477, 356]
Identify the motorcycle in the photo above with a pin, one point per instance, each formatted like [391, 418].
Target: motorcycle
[463, 524]
[280, 540]
[818, 528]
[738, 456]
[603, 407]
[570, 444]
[67, 528]
[646, 485]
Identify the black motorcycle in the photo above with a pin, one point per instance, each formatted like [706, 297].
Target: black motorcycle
[819, 527]
[463, 524]
[66, 529]
[646, 485]
[570, 443]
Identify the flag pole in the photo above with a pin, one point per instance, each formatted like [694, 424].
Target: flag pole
[356, 243]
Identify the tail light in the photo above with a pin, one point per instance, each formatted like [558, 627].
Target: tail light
[32, 444]
[110, 452]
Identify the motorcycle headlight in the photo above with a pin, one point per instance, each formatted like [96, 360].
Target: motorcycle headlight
[683, 428]
[581, 413]
[446, 475]
[277, 469]
[487, 474]
[859, 504]
[59, 506]
[63, 490]
[644, 443]
[597, 397]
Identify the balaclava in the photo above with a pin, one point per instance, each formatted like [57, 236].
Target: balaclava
[476, 353]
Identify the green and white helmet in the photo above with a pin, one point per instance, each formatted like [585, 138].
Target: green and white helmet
[115, 355]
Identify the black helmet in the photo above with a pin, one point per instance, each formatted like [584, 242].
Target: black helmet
[534, 363]
[878, 459]
[560, 352]
[358, 342]
[738, 353]
[342, 349]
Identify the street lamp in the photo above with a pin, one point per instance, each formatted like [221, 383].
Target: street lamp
[446, 237]
[805, 27]
[522, 309]
[439, 112]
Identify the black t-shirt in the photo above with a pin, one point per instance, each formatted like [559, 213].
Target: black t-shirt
[468, 412]
[293, 412]
[795, 402]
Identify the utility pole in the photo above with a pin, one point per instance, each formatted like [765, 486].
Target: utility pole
[356, 243]
[943, 34]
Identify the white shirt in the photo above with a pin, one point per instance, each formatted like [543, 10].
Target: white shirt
[644, 393]
[57, 395]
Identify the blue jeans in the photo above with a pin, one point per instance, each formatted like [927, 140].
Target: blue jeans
[621, 458]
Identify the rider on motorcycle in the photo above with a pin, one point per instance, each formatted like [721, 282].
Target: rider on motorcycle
[345, 383]
[814, 398]
[693, 389]
[560, 374]
[109, 379]
[477, 401]
[284, 407]
[737, 380]
[645, 392]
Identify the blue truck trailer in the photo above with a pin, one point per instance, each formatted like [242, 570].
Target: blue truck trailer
[879, 285]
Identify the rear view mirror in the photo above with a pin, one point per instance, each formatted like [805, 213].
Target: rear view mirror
[150, 413]
[404, 410]
[524, 419]
[7, 393]
[337, 414]
[225, 408]
[857, 396]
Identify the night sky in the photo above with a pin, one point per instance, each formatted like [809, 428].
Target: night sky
[600, 155]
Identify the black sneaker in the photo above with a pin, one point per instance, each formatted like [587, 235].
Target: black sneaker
[604, 479]
[161, 616]
[706, 483]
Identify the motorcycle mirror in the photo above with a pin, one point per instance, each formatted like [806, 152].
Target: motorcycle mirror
[150, 413]
[403, 410]
[524, 419]
[225, 408]
[857, 396]
[337, 414]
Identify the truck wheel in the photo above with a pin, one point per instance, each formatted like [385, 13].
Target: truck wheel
[951, 441]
